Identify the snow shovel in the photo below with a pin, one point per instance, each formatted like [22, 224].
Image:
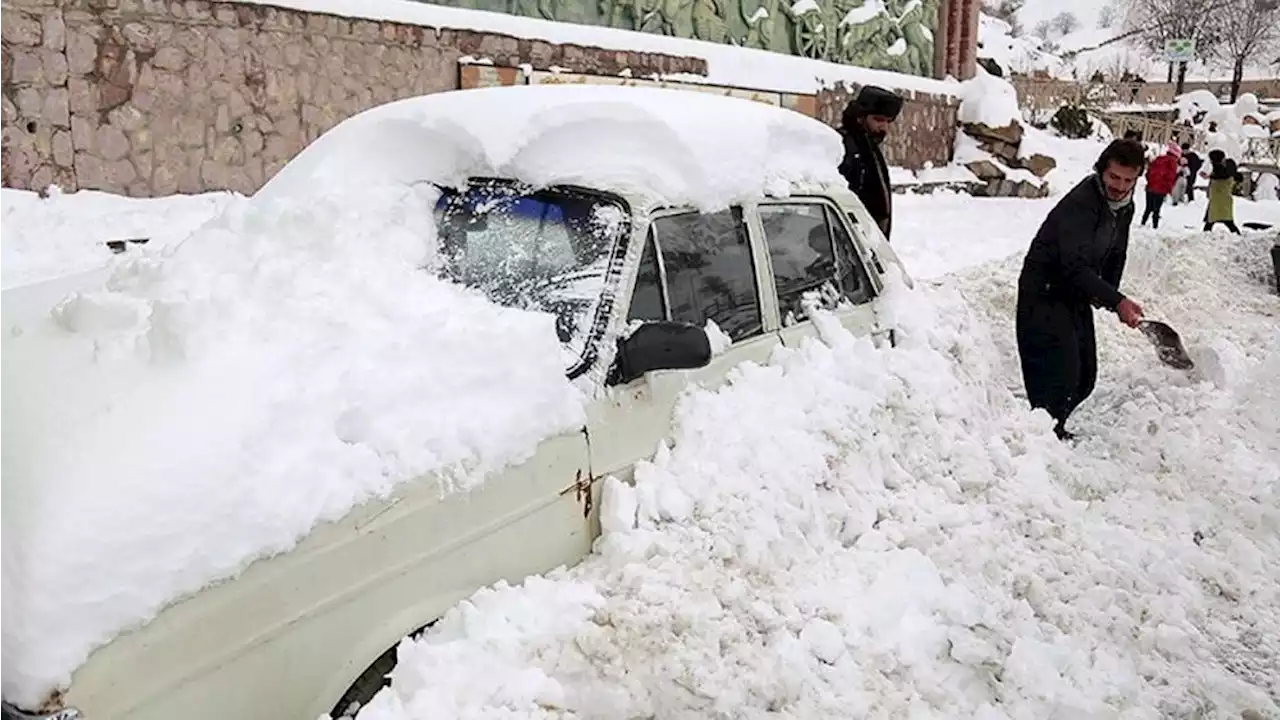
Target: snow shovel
[1167, 343]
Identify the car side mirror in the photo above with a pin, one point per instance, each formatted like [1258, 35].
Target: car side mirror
[661, 345]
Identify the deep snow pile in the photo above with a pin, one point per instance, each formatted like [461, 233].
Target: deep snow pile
[66, 233]
[988, 100]
[292, 359]
[284, 365]
[858, 533]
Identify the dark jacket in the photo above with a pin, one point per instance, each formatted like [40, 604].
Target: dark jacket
[864, 168]
[1194, 163]
[1075, 261]
[1078, 255]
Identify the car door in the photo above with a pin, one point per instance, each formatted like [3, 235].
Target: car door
[694, 267]
[810, 249]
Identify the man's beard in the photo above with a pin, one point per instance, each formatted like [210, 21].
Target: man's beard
[877, 137]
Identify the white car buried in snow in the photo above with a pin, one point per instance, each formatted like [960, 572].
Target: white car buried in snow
[235, 478]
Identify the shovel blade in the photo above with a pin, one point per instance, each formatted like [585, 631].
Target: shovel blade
[1167, 343]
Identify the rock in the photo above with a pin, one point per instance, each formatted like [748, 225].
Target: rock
[1011, 133]
[985, 170]
[1028, 189]
[1039, 165]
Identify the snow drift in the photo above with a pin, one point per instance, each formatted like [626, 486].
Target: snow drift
[848, 532]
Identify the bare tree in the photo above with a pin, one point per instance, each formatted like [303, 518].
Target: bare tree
[1107, 16]
[1064, 23]
[1248, 29]
[1006, 10]
[1154, 22]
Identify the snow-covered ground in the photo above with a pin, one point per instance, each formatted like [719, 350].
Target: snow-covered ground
[850, 532]
[858, 533]
[63, 234]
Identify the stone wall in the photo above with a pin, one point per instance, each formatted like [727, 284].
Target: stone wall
[924, 133]
[151, 97]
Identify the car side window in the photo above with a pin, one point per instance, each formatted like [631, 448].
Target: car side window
[801, 252]
[647, 302]
[710, 272]
[855, 285]
[811, 252]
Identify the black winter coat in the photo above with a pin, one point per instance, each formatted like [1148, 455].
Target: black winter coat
[1078, 255]
[864, 168]
[1075, 261]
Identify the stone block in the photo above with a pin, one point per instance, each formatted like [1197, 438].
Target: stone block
[18, 28]
[1039, 165]
[985, 170]
[1011, 133]
[54, 31]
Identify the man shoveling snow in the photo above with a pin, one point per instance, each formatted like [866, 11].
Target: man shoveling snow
[1076, 261]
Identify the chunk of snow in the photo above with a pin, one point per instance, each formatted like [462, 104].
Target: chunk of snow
[66, 233]
[988, 100]
[801, 7]
[898, 47]
[617, 506]
[760, 14]
[719, 340]
[1246, 104]
[865, 12]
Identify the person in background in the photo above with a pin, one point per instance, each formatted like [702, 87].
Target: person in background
[1075, 263]
[1194, 161]
[1161, 176]
[1179, 193]
[864, 125]
[1223, 177]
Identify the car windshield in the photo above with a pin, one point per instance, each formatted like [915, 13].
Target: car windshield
[545, 249]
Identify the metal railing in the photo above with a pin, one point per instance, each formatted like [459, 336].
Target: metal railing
[1050, 94]
[1255, 151]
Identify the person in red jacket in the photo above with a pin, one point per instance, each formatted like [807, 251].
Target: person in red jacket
[1162, 174]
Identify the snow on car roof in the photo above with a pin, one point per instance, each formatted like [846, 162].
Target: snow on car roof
[674, 146]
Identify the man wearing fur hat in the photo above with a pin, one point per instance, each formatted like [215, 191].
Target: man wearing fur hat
[864, 125]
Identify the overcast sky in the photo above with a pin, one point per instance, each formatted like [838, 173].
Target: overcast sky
[1036, 10]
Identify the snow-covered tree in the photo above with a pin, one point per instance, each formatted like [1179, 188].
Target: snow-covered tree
[1248, 30]
[1153, 22]
[1111, 14]
[1064, 23]
[1006, 10]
